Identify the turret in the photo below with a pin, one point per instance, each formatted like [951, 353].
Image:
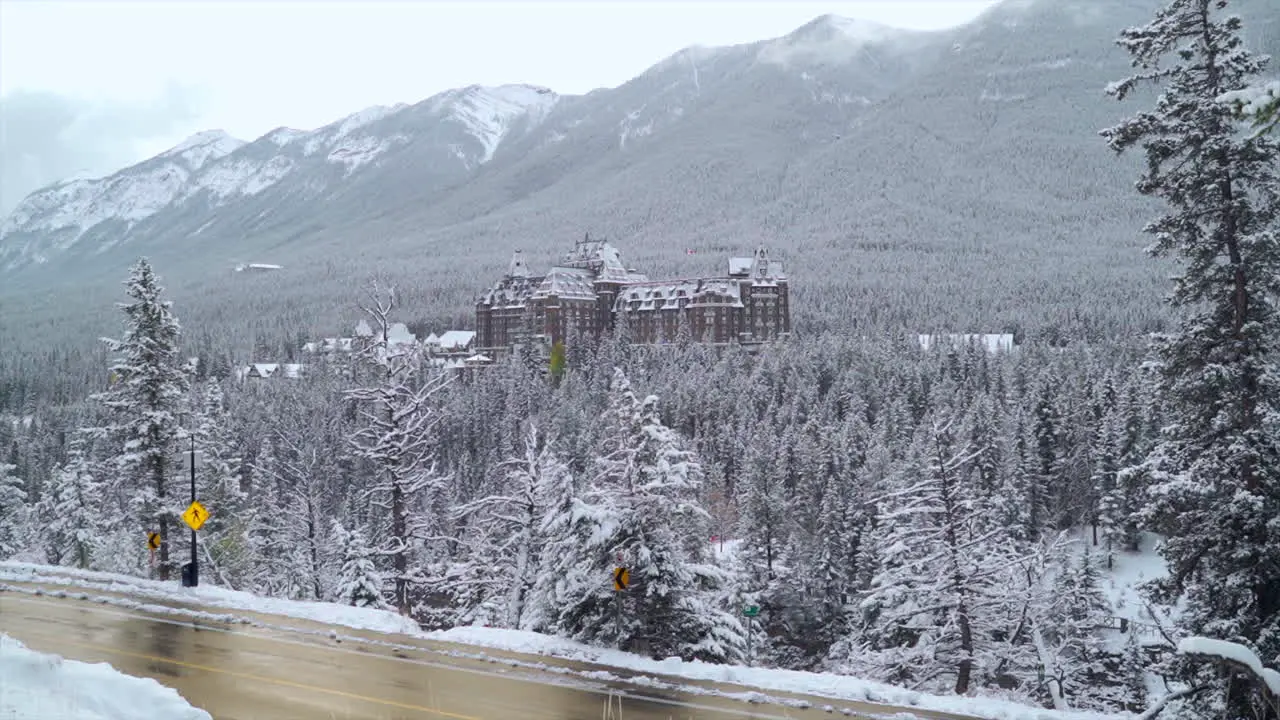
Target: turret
[517, 268]
[760, 263]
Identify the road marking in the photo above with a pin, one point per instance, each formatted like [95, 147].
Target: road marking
[581, 684]
[265, 679]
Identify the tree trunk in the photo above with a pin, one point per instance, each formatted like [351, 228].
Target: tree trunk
[162, 521]
[312, 548]
[400, 561]
[965, 670]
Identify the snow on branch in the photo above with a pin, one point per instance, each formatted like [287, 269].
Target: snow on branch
[1236, 655]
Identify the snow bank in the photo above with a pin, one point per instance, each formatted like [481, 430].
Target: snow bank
[836, 687]
[643, 671]
[209, 596]
[1234, 652]
[37, 685]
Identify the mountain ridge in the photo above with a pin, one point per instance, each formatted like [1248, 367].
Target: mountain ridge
[487, 112]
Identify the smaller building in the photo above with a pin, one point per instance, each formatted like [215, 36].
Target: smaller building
[452, 342]
[991, 342]
[265, 371]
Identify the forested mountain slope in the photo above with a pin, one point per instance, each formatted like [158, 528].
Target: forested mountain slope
[926, 180]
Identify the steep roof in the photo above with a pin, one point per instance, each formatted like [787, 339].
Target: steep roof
[456, 339]
[566, 282]
[697, 292]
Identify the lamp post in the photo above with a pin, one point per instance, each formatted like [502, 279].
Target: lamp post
[191, 571]
[195, 558]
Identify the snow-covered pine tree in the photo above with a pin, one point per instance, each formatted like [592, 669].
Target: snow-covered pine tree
[13, 512]
[147, 385]
[1132, 673]
[561, 569]
[1114, 519]
[930, 613]
[504, 530]
[398, 441]
[641, 511]
[268, 544]
[1216, 469]
[359, 582]
[69, 511]
[224, 536]
[1080, 663]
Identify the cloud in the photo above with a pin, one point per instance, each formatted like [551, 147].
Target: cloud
[46, 137]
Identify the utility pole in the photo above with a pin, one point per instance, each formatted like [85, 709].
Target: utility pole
[195, 558]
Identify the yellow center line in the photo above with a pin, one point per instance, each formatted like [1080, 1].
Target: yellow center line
[273, 681]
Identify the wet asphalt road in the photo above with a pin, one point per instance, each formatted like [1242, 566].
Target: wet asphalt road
[239, 672]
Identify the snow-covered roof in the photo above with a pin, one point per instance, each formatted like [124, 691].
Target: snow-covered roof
[511, 292]
[647, 296]
[567, 282]
[266, 370]
[748, 267]
[398, 334]
[999, 342]
[456, 339]
[432, 339]
[599, 257]
[328, 345]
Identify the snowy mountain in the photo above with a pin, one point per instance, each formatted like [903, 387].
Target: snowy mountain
[58, 216]
[212, 171]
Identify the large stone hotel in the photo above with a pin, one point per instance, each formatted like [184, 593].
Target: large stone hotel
[591, 292]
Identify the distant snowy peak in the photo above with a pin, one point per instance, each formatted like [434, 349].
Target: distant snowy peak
[203, 147]
[863, 32]
[282, 136]
[332, 137]
[73, 207]
[489, 113]
[1018, 14]
[831, 40]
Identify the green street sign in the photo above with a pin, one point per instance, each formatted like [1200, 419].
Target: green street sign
[751, 610]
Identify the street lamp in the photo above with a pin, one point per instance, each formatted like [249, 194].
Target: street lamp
[194, 516]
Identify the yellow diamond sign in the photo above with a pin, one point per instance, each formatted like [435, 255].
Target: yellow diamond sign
[195, 515]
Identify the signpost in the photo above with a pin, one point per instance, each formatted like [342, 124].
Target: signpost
[621, 581]
[194, 516]
[750, 612]
[153, 544]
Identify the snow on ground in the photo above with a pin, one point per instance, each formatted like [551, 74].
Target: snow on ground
[1122, 584]
[651, 673]
[209, 596]
[38, 685]
[837, 687]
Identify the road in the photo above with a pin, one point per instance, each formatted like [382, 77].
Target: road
[245, 673]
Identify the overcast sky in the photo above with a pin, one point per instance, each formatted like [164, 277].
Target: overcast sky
[91, 86]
